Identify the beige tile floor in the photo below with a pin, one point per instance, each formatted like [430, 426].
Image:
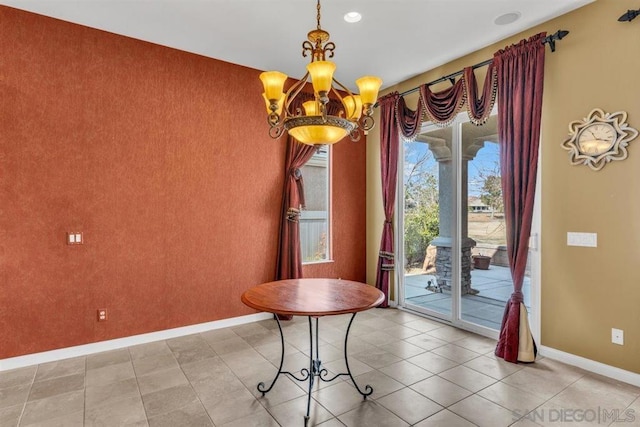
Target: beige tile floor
[423, 373]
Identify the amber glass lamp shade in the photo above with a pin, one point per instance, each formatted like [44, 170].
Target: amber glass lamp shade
[314, 134]
[310, 108]
[353, 105]
[273, 82]
[321, 75]
[369, 87]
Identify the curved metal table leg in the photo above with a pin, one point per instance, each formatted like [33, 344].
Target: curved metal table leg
[368, 388]
[315, 368]
[312, 367]
[261, 385]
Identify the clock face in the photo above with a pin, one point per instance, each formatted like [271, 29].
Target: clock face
[599, 139]
[596, 138]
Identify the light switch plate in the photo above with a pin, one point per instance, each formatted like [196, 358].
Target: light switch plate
[589, 240]
[74, 238]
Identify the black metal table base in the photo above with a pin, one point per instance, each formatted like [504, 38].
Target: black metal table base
[315, 369]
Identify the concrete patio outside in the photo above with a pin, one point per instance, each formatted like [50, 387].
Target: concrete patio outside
[486, 308]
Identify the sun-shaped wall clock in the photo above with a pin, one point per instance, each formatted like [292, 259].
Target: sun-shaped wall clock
[599, 138]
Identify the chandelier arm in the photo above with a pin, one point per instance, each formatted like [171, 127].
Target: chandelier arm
[366, 123]
[328, 48]
[273, 119]
[306, 46]
[343, 87]
[293, 92]
[276, 131]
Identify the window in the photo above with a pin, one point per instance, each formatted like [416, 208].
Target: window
[314, 219]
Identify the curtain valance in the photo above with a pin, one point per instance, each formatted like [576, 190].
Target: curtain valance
[443, 106]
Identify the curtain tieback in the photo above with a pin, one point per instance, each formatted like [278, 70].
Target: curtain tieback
[387, 263]
[293, 214]
[517, 296]
[386, 255]
[296, 173]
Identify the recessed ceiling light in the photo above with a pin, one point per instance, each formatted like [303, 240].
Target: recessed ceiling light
[507, 18]
[352, 17]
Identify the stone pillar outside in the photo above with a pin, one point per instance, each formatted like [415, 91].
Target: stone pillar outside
[441, 149]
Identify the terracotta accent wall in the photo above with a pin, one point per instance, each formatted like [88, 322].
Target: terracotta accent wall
[162, 159]
[584, 291]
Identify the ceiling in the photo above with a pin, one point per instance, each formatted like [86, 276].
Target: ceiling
[396, 39]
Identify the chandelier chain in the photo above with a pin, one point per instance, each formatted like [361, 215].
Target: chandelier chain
[318, 16]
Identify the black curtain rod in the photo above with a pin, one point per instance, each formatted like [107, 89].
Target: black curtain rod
[450, 77]
[551, 40]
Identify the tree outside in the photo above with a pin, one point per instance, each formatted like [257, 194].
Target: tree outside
[487, 227]
[420, 203]
[491, 191]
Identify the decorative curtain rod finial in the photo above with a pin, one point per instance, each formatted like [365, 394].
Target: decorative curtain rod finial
[629, 16]
[558, 35]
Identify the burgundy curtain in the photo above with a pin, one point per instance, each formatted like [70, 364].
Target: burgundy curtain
[389, 171]
[443, 106]
[479, 109]
[395, 119]
[289, 261]
[520, 71]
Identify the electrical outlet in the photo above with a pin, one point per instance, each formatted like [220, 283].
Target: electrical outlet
[617, 336]
[102, 314]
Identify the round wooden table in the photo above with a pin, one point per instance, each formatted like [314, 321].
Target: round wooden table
[313, 298]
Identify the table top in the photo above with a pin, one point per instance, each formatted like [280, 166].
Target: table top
[312, 297]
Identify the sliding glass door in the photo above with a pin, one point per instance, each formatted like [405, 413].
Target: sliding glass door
[452, 245]
[426, 206]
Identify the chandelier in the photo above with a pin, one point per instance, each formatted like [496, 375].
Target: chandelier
[312, 124]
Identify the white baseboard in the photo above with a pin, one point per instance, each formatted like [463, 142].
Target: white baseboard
[83, 350]
[591, 365]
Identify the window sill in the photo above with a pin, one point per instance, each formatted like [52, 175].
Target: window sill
[323, 261]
